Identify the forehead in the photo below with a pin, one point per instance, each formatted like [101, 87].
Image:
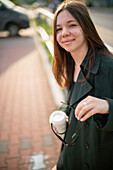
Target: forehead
[64, 17]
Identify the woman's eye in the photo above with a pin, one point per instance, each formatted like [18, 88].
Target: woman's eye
[73, 25]
[58, 29]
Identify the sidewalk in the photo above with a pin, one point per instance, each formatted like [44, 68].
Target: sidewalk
[26, 140]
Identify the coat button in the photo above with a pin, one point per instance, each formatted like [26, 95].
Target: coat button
[86, 124]
[86, 145]
[86, 166]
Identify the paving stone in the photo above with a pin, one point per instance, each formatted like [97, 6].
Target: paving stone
[3, 160]
[12, 164]
[25, 105]
[3, 146]
[4, 135]
[25, 143]
[25, 156]
[13, 151]
[47, 140]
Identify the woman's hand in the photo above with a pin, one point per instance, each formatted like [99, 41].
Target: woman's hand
[91, 106]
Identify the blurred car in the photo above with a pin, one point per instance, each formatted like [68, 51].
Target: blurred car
[12, 18]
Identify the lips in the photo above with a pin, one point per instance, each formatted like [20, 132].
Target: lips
[66, 42]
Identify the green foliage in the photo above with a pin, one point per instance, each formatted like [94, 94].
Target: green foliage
[47, 26]
[42, 21]
[17, 2]
[29, 1]
[49, 54]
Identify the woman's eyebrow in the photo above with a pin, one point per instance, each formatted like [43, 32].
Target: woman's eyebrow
[58, 25]
[71, 21]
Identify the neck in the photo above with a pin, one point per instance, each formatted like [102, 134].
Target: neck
[79, 55]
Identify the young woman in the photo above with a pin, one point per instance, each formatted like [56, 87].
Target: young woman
[84, 66]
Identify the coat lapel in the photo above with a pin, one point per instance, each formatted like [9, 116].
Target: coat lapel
[81, 88]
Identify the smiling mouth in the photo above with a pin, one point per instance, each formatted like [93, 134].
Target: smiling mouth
[67, 42]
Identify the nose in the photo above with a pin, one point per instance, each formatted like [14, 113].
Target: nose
[65, 32]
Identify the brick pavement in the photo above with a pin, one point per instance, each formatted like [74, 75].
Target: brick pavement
[25, 105]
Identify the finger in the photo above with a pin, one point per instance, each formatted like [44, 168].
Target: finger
[88, 115]
[55, 129]
[79, 107]
[84, 111]
[67, 119]
[82, 105]
[77, 110]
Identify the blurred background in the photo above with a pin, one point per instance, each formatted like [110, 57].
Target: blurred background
[28, 90]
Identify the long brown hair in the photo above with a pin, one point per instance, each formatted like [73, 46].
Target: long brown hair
[63, 63]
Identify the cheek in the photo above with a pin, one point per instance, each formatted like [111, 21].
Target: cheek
[76, 33]
[79, 36]
[58, 38]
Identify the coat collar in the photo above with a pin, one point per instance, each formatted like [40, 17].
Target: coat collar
[82, 86]
[96, 65]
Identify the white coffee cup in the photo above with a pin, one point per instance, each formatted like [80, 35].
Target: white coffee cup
[58, 119]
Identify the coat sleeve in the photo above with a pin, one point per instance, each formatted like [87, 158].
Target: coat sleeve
[105, 121]
[109, 123]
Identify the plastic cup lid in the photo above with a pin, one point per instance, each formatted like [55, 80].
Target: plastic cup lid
[58, 117]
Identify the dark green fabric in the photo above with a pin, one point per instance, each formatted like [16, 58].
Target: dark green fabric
[94, 148]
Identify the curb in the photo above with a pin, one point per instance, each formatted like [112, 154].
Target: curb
[55, 89]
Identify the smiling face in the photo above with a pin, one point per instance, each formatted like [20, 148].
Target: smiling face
[69, 34]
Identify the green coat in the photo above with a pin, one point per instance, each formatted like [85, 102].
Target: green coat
[93, 149]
